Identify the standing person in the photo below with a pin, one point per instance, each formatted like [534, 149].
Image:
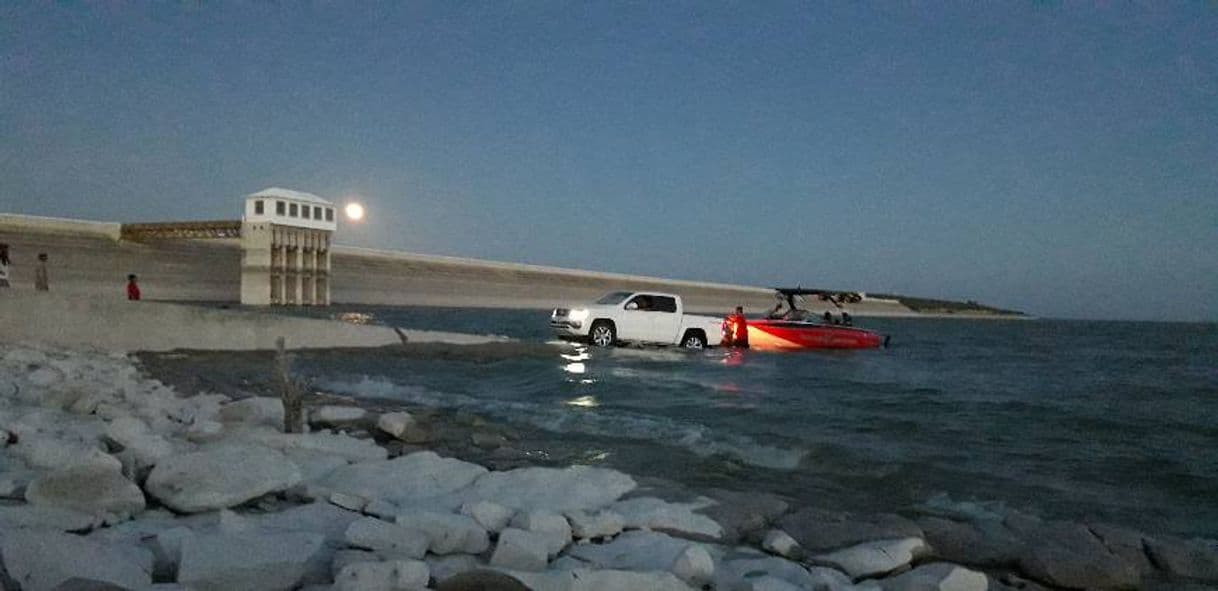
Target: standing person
[133, 289]
[41, 281]
[4, 263]
[736, 329]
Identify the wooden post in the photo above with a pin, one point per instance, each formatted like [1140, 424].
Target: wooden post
[289, 392]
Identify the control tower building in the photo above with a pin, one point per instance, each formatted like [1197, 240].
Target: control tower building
[285, 239]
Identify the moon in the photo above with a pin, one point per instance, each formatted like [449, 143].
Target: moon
[355, 212]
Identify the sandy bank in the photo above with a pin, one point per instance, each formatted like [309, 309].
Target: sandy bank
[118, 325]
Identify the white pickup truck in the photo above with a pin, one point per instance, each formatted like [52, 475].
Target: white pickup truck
[637, 317]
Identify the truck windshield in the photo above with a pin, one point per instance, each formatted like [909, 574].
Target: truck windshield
[616, 297]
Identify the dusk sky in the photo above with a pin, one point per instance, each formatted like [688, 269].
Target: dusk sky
[1059, 158]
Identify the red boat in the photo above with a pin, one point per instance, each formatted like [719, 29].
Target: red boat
[796, 328]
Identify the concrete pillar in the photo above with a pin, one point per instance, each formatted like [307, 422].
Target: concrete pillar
[256, 264]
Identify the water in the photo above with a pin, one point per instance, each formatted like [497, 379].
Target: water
[1115, 422]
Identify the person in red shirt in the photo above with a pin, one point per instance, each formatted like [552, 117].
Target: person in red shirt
[133, 289]
[736, 329]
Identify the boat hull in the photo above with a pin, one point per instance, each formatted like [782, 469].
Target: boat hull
[785, 335]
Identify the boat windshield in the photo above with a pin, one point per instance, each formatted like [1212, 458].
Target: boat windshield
[616, 297]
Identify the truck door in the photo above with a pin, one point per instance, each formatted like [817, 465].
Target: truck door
[666, 319]
[636, 324]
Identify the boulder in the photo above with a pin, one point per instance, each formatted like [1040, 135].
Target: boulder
[740, 572]
[650, 551]
[1069, 555]
[874, 558]
[1128, 545]
[421, 478]
[694, 565]
[347, 556]
[985, 543]
[392, 575]
[166, 549]
[552, 489]
[49, 453]
[676, 518]
[778, 542]
[481, 580]
[444, 567]
[600, 580]
[601, 524]
[817, 530]
[744, 513]
[770, 583]
[348, 502]
[43, 560]
[350, 448]
[449, 533]
[314, 465]
[43, 517]
[490, 515]
[401, 425]
[518, 549]
[387, 539]
[247, 562]
[134, 436]
[92, 489]
[553, 527]
[940, 576]
[257, 410]
[330, 415]
[220, 477]
[1189, 559]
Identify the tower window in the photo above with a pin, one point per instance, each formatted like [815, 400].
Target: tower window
[280, 208]
[258, 207]
[292, 210]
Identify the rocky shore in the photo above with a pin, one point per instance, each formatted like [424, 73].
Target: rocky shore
[112, 480]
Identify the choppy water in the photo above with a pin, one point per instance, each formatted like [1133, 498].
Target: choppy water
[1079, 420]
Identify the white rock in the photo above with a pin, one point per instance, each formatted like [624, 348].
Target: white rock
[205, 431]
[313, 465]
[258, 410]
[552, 526]
[347, 556]
[937, 577]
[779, 542]
[491, 516]
[656, 514]
[247, 562]
[334, 415]
[421, 478]
[349, 502]
[393, 575]
[220, 477]
[449, 533]
[334, 444]
[772, 583]
[48, 453]
[874, 558]
[133, 434]
[382, 509]
[633, 550]
[551, 489]
[601, 524]
[96, 490]
[694, 565]
[41, 560]
[44, 377]
[599, 580]
[46, 518]
[397, 424]
[741, 572]
[386, 538]
[518, 549]
[444, 567]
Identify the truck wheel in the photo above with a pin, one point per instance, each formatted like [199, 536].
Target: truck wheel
[602, 334]
[693, 340]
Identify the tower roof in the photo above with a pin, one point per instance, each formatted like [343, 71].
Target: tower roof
[271, 192]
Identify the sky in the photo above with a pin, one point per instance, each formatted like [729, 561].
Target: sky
[1059, 158]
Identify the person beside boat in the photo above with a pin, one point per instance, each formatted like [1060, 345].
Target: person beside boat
[736, 329]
